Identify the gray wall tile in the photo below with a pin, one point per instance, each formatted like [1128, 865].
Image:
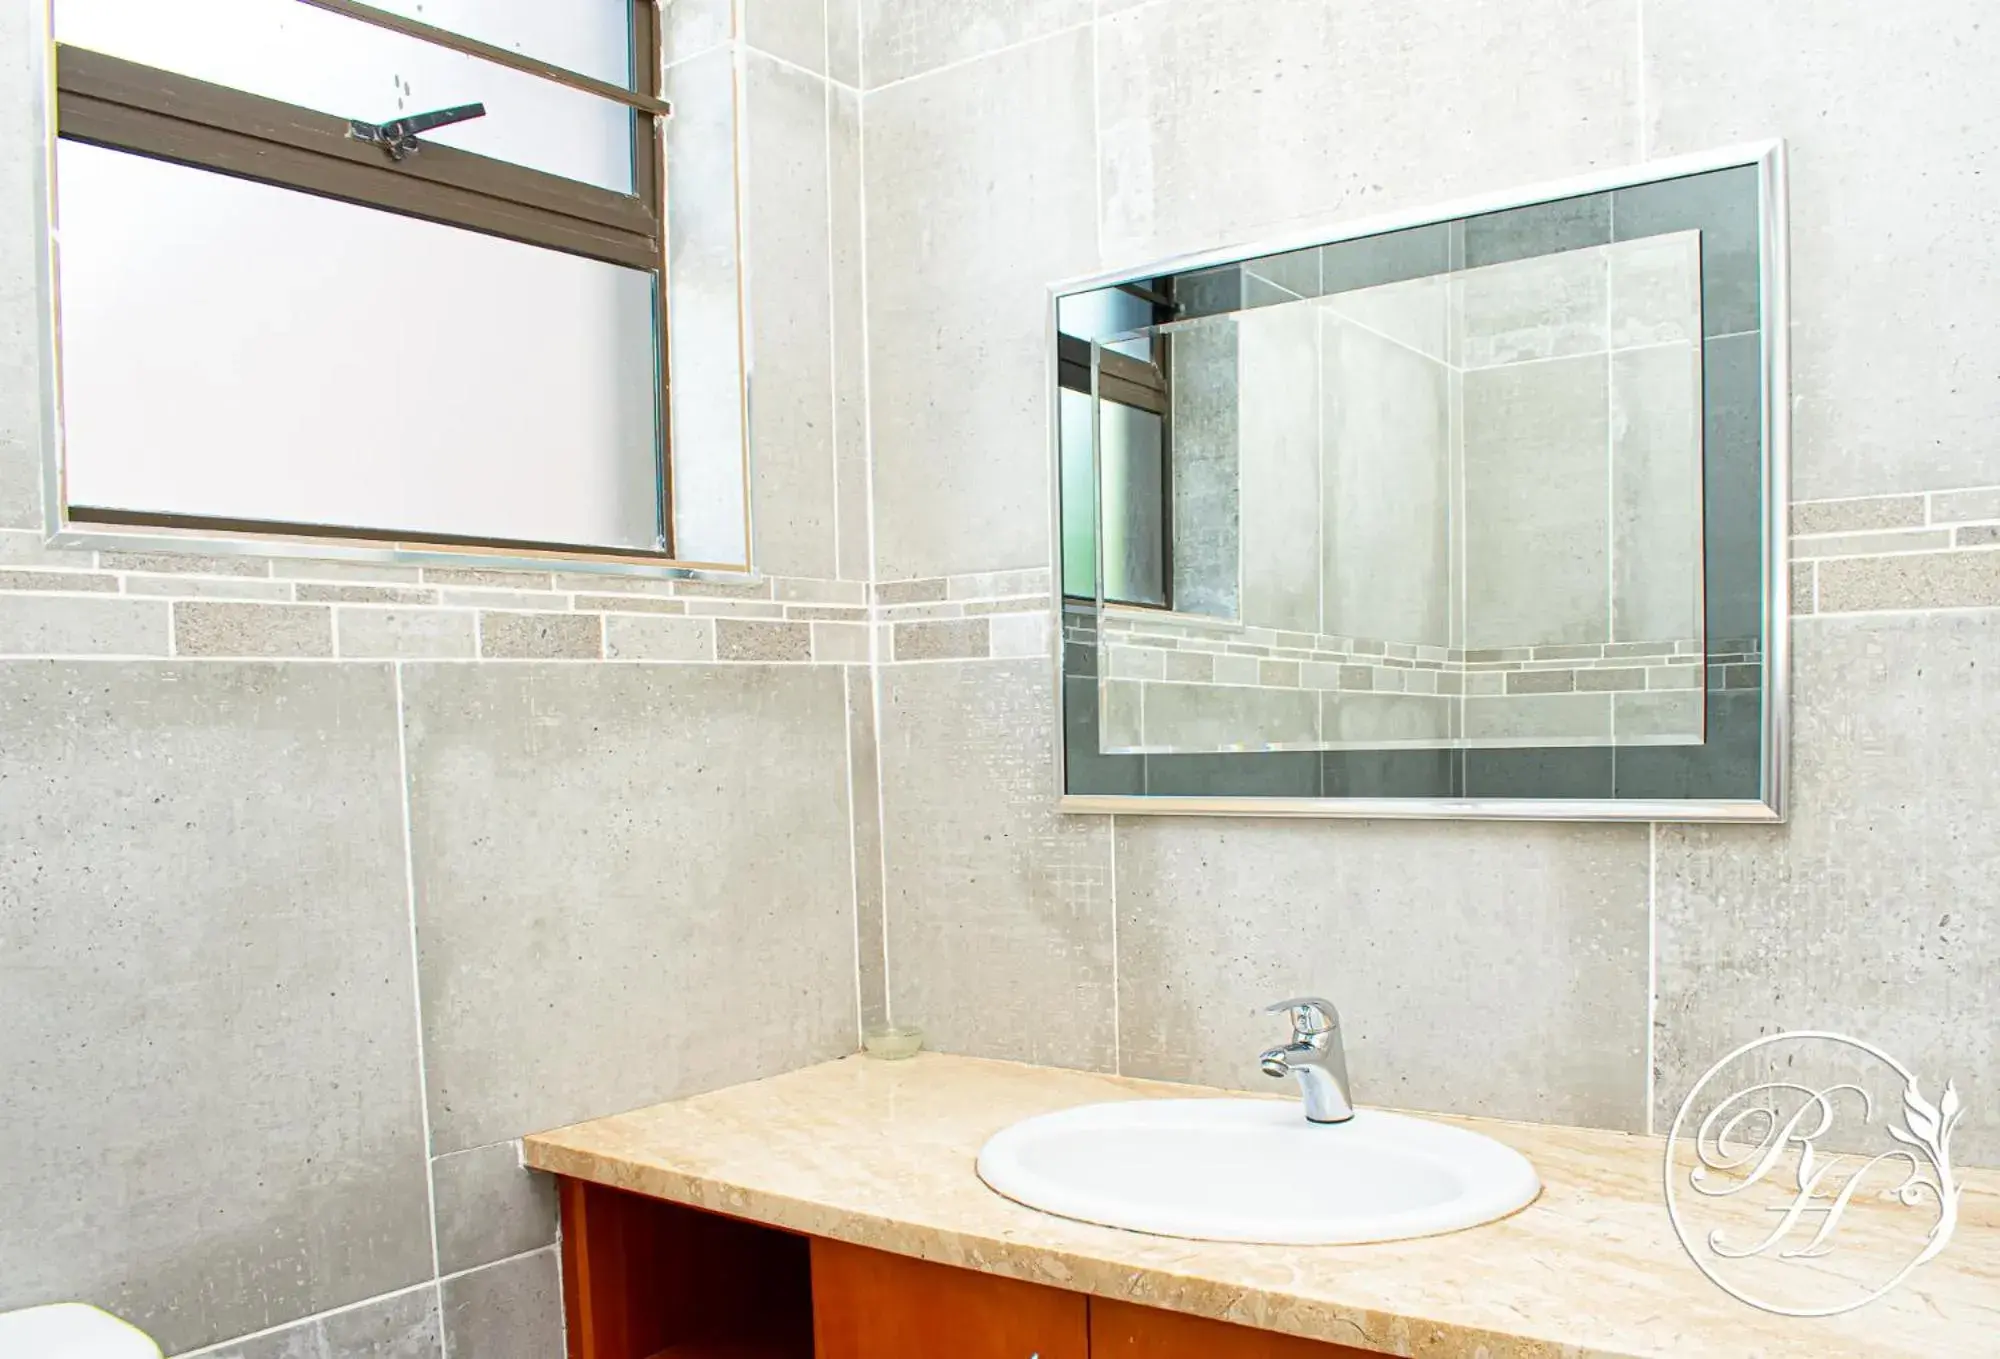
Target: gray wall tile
[903, 38]
[595, 883]
[1916, 580]
[183, 563]
[78, 582]
[1207, 717]
[944, 639]
[852, 486]
[864, 795]
[1386, 463]
[1864, 914]
[1864, 168]
[1498, 970]
[1327, 111]
[402, 1326]
[969, 218]
[740, 641]
[210, 857]
[1278, 467]
[795, 30]
[541, 636]
[1955, 505]
[512, 1310]
[37, 625]
[202, 628]
[691, 27]
[1536, 493]
[628, 637]
[791, 385]
[999, 907]
[404, 632]
[207, 587]
[1656, 508]
[490, 1206]
[843, 41]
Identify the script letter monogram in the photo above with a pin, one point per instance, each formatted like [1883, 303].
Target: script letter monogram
[1768, 1136]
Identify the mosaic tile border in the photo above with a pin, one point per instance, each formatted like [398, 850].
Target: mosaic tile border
[1906, 552]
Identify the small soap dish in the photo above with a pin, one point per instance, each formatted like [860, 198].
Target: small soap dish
[893, 1042]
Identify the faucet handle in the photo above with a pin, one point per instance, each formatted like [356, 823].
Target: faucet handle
[1310, 1015]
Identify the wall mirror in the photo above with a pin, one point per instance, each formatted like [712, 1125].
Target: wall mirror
[1476, 513]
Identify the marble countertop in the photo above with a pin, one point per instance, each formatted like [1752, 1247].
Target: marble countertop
[881, 1154]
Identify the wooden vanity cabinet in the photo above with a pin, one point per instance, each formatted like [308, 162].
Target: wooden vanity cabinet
[647, 1279]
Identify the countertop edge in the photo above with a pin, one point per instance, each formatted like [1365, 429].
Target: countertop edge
[1386, 1333]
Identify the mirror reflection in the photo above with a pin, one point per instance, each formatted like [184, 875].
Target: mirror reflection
[1462, 508]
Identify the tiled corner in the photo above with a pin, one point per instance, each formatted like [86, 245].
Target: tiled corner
[969, 218]
[791, 384]
[602, 854]
[864, 796]
[905, 38]
[490, 1206]
[999, 907]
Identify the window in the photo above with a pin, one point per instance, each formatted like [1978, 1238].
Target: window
[1117, 466]
[326, 270]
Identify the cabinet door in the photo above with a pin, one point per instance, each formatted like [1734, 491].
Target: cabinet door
[1120, 1330]
[869, 1304]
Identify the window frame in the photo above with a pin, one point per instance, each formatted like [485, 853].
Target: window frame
[94, 98]
[1142, 385]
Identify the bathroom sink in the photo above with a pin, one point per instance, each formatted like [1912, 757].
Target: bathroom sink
[1255, 1170]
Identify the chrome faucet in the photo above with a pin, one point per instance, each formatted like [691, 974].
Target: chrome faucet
[1315, 1056]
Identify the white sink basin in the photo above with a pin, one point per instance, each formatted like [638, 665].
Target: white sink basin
[1255, 1170]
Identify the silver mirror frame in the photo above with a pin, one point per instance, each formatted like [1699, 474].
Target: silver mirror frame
[1774, 281]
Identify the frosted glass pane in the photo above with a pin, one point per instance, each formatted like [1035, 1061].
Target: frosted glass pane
[235, 350]
[590, 37]
[305, 56]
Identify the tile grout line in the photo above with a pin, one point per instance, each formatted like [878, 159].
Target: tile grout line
[853, 850]
[1639, 71]
[873, 622]
[219, 1346]
[416, 977]
[832, 290]
[957, 62]
[1117, 1006]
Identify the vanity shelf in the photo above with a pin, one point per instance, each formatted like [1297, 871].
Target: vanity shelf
[649, 1279]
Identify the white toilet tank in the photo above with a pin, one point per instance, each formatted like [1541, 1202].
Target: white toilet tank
[71, 1330]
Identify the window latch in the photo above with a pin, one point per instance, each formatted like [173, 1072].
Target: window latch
[399, 138]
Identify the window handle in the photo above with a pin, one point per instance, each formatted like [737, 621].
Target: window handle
[399, 138]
